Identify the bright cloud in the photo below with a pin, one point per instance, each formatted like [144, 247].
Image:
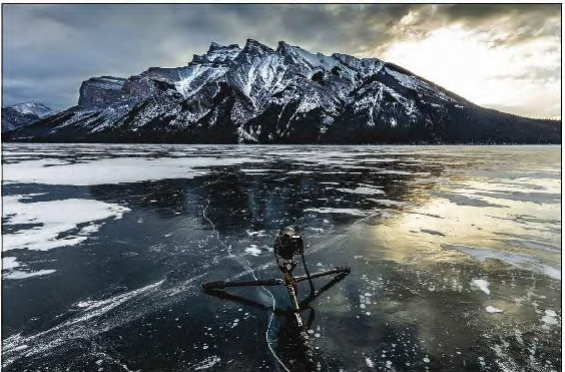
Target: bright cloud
[466, 62]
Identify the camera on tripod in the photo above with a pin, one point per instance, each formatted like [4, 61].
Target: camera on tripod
[288, 245]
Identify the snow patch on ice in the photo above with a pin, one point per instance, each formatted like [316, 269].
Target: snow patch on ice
[208, 363]
[114, 171]
[362, 191]
[85, 304]
[50, 220]
[549, 319]
[492, 309]
[393, 171]
[9, 263]
[253, 250]
[350, 211]
[17, 274]
[387, 202]
[550, 313]
[257, 171]
[482, 284]
[259, 233]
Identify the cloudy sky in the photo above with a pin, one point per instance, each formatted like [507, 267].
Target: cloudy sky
[504, 56]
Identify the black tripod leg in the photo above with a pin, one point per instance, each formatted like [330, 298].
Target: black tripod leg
[253, 283]
[242, 300]
[335, 270]
[311, 318]
[312, 290]
[338, 278]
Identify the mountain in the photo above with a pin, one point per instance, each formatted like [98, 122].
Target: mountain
[256, 94]
[23, 114]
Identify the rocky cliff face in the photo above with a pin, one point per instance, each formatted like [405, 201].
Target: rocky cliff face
[256, 94]
[23, 114]
[100, 91]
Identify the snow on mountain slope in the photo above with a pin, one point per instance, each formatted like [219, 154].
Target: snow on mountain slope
[256, 93]
[23, 114]
[33, 108]
[194, 77]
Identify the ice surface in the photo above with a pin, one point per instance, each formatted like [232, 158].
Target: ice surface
[401, 277]
[74, 328]
[51, 219]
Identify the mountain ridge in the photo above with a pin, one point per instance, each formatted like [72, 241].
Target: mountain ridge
[257, 94]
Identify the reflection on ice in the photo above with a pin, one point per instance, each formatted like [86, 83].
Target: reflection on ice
[515, 259]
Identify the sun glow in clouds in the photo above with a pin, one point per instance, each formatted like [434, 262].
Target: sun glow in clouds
[470, 64]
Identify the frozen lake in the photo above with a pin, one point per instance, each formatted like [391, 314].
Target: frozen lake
[455, 254]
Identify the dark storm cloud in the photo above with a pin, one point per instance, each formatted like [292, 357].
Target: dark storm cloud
[487, 12]
[71, 43]
[527, 21]
[49, 49]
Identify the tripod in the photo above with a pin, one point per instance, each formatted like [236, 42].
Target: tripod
[290, 282]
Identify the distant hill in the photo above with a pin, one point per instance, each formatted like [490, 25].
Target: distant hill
[22, 114]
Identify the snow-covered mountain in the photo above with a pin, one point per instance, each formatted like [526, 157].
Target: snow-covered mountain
[23, 114]
[256, 94]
